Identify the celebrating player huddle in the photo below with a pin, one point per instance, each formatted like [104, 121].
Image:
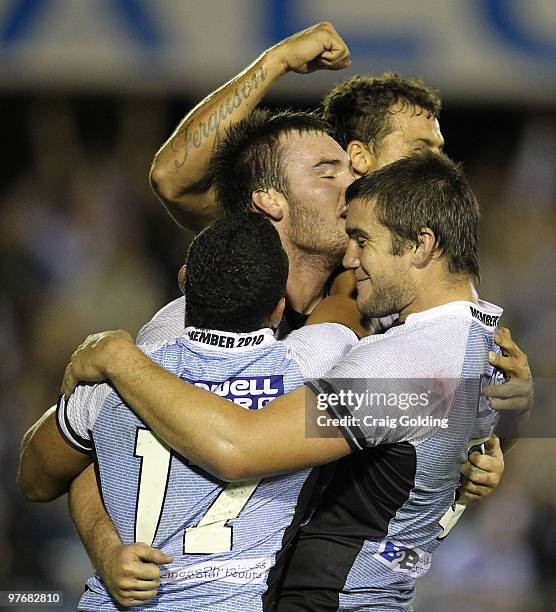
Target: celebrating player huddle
[206, 439]
[239, 527]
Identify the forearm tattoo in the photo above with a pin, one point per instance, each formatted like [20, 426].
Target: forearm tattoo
[196, 135]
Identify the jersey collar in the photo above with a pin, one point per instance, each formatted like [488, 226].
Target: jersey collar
[485, 313]
[228, 341]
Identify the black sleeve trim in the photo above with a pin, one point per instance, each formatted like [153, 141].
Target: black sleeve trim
[352, 434]
[69, 434]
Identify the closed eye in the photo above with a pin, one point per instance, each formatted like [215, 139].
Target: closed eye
[357, 236]
[360, 242]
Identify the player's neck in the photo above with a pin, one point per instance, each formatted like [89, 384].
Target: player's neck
[306, 283]
[442, 291]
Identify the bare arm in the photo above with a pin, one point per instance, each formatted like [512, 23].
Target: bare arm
[170, 407]
[47, 463]
[179, 170]
[239, 445]
[130, 572]
[47, 467]
[340, 306]
[94, 526]
[482, 473]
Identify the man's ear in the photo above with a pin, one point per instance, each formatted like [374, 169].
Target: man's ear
[270, 202]
[277, 313]
[362, 159]
[426, 249]
[181, 278]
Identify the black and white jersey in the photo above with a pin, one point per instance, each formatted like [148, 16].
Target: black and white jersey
[392, 502]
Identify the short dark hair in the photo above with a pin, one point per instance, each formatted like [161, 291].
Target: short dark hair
[236, 272]
[250, 157]
[425, 190]
[360, 108]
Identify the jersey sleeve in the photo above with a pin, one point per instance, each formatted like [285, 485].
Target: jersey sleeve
[76, 416]
[397, 388]
[167, 324]
[318, 348]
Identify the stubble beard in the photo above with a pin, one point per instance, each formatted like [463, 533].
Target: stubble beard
[312, 237]
[387, 298]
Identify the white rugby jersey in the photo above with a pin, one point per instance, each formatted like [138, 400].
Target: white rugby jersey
[224, 537]
[390, 504]
[169, 322]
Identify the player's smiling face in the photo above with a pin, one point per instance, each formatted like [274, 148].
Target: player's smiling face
[318, 172]
[383, 281]
[413, 130]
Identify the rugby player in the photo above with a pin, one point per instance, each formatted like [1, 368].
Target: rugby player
[377, 120]
[412, 230]
[223, 537]
[179, 176]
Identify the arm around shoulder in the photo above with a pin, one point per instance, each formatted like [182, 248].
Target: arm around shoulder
[47, 463]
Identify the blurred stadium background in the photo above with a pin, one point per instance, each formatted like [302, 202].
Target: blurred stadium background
[91, 88]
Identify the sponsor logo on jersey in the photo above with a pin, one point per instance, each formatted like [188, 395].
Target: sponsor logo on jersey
[251, 392]
[409, 560]
[237, 571]
[485, 319]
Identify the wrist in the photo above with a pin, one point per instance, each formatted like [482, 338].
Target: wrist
[102, 545]
[103, 559]
[116, 355]
[274, 62]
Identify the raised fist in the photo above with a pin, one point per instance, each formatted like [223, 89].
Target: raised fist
[319, 47]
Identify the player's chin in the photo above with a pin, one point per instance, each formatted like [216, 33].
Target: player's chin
[371, 307]
[364, 304]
